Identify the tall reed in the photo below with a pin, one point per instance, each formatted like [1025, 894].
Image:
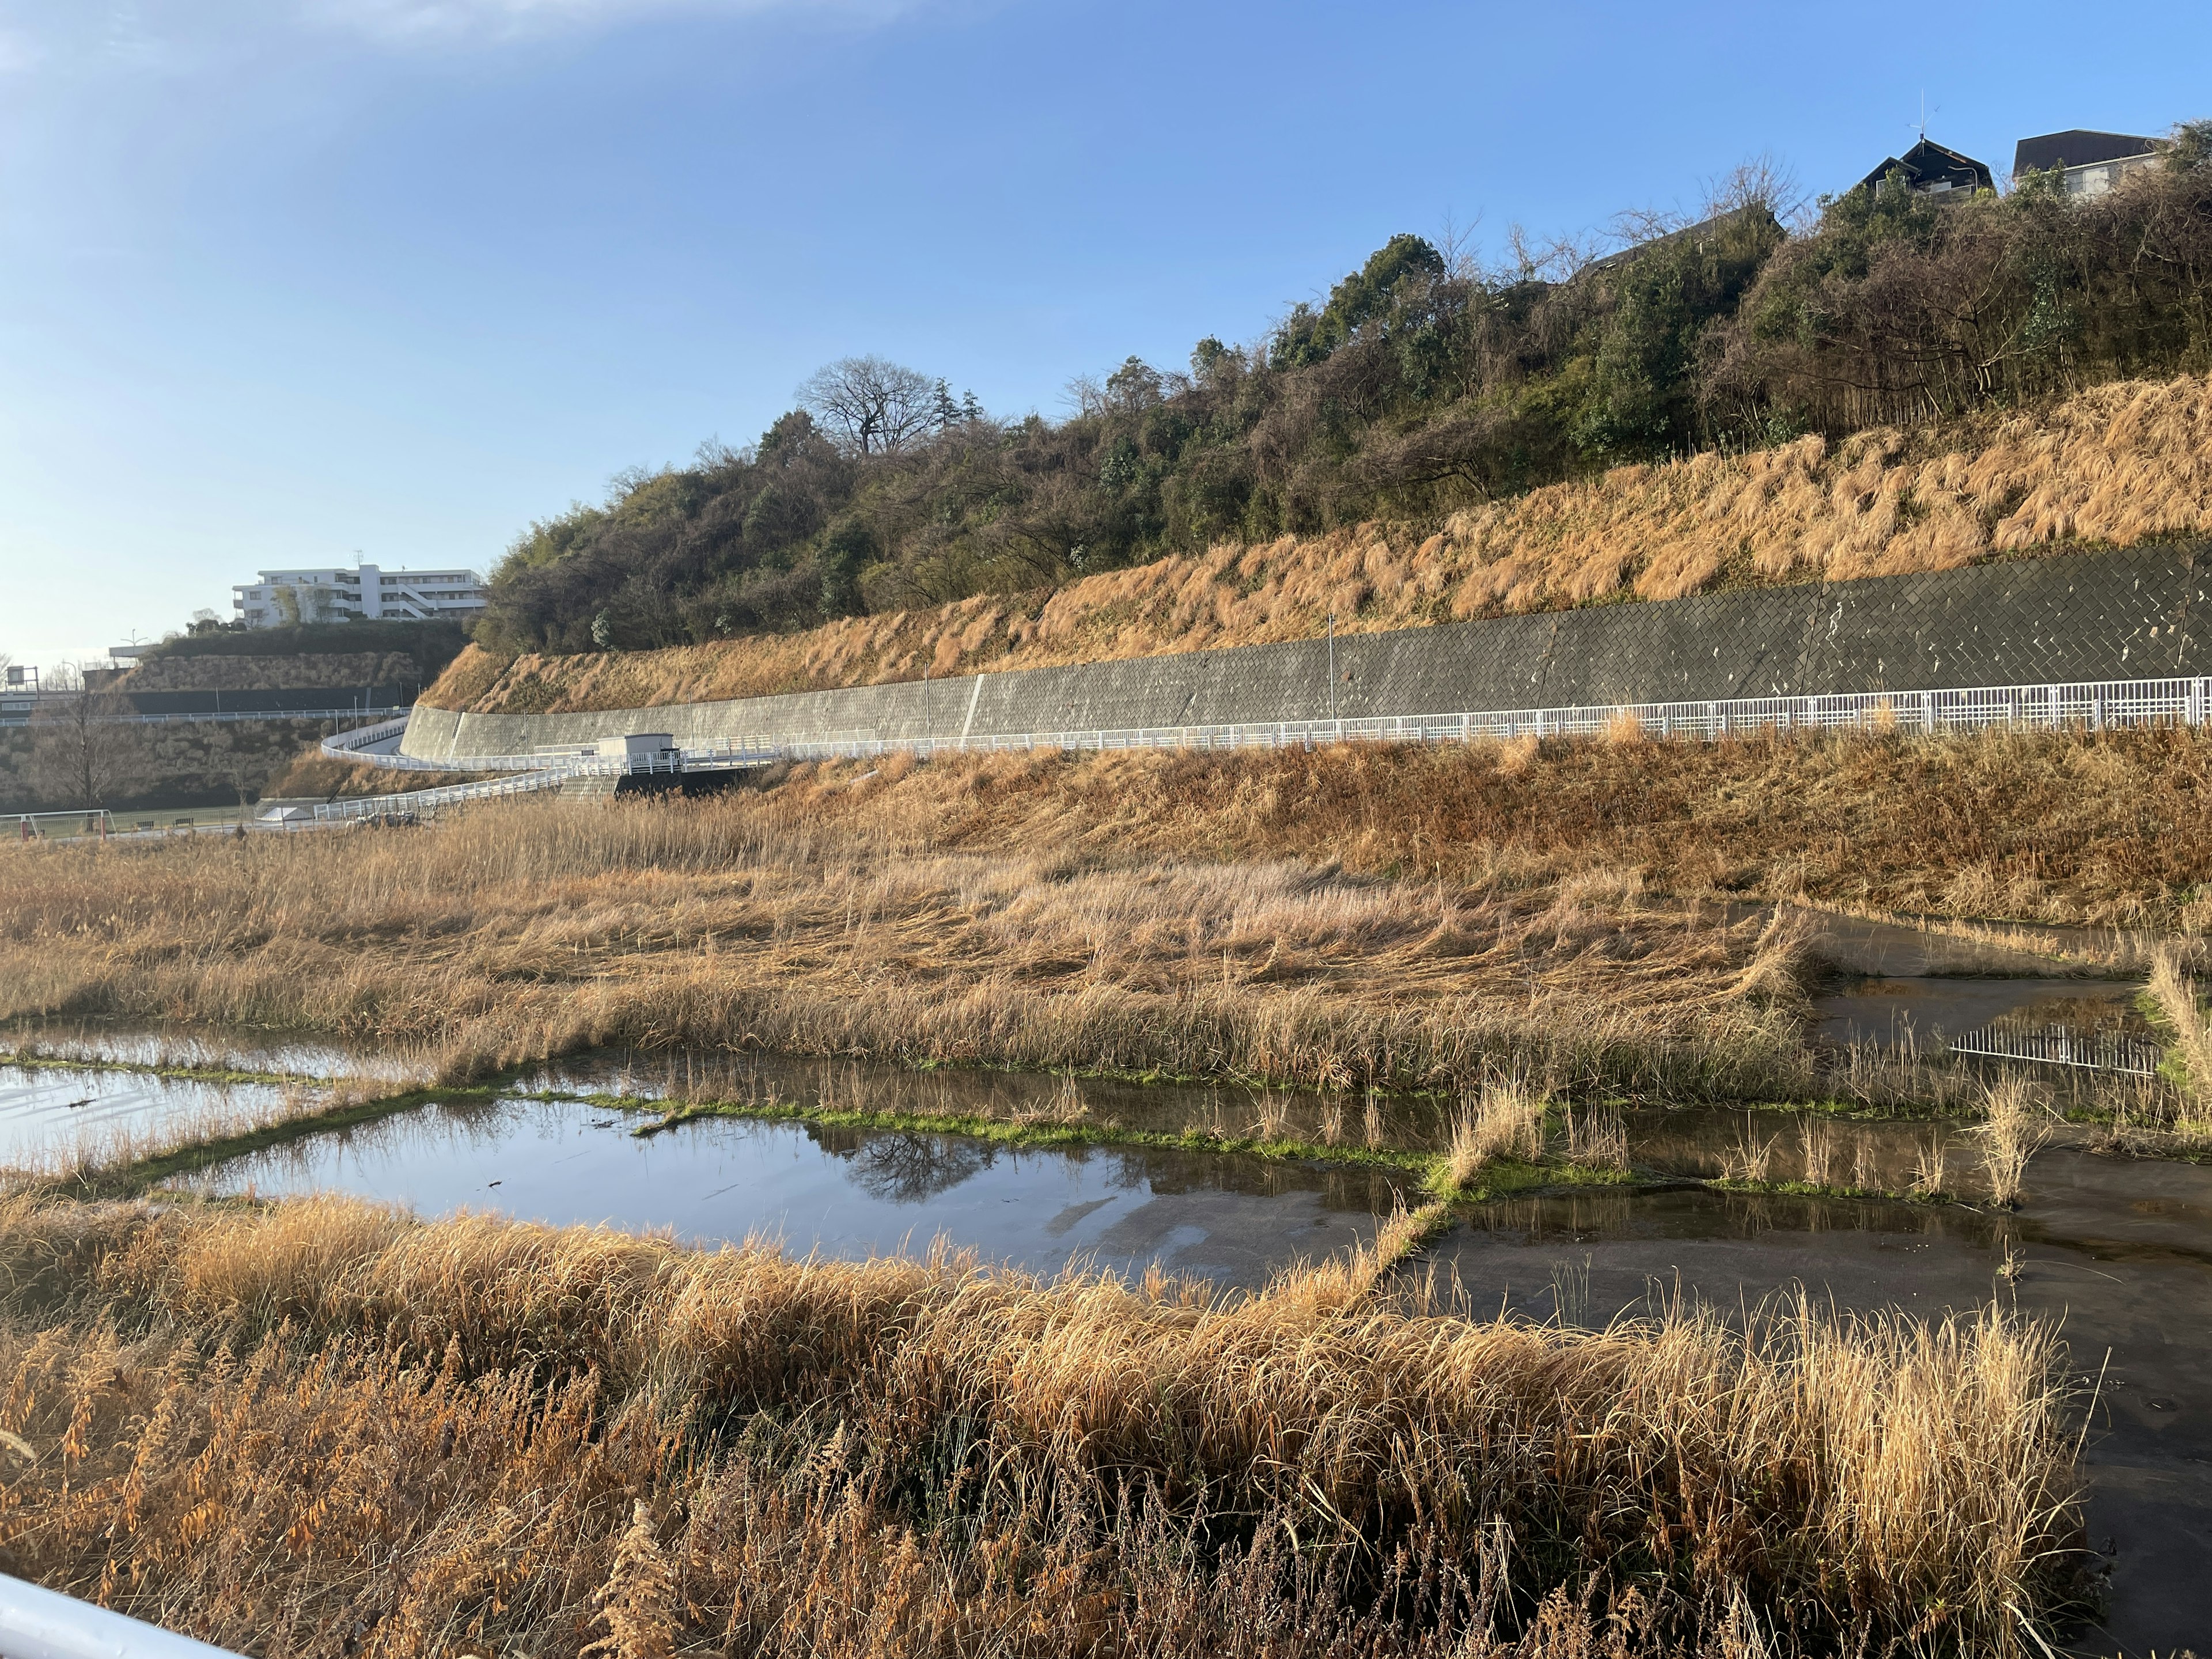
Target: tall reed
[2015, 1126]
[1503, 1120]
[322, 1428]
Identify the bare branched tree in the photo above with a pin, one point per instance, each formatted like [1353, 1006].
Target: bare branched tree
[1763, 181]
[872, 404]
[80, 751]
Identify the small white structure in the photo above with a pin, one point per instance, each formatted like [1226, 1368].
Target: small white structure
[645, 751]
[368, 593]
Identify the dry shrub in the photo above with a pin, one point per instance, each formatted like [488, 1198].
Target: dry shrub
[1624, 728]
[2114, 465]
[2016, 1123]
[1597, 1136]
[319, 1430]
[1930, 1174]
[1816, 1142]
[1749, 1158]
[1506, 1121]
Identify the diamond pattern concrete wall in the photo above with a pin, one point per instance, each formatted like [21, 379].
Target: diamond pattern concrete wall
[2080, 617]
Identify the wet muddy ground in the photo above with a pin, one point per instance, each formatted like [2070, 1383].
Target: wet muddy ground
[2116, 1250]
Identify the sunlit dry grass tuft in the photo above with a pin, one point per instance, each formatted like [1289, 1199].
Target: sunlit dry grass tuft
[323, 1429]
[2016, 1125]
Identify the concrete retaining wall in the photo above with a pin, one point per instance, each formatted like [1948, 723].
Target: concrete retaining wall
[2085, 617]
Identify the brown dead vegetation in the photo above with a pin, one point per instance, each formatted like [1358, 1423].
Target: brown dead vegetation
[537, 928]
[1435, 917]
[2107, 829]
[312, 773]
[325, 1430]
[2112, 467]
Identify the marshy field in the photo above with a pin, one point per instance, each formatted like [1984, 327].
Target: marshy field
[1586, 1198]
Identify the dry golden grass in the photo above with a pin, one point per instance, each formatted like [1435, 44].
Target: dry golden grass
[1362, 912]
[2109, 829]
[2174, 991]
[1504, 1119]
[314, 772]
[2116, 465]
[535, 928]
[2016, 1125]
[327, 1430]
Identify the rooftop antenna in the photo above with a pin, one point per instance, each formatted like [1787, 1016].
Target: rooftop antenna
[1924, 113]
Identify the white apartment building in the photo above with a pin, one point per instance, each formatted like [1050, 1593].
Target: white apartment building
[369, 593]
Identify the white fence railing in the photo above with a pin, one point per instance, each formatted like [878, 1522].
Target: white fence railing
[2093, 705]
[343, 743]
[22, 715]
[416, 801]
[2055, 1045]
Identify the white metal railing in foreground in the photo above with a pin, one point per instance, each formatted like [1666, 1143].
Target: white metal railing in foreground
[2094, 704]
[43, 1624]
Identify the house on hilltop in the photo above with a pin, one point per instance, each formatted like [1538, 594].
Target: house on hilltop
[1697, 235]
[1928, 169]
[2087, 163]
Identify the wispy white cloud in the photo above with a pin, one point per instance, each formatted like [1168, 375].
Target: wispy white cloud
[156, 34]
[430, 21]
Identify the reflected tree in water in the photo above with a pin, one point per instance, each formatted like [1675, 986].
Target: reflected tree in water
[905, 1168]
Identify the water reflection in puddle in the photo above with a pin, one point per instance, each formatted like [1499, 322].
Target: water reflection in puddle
[1226, 1110]
[2117, 1252]
[186, 1047]
[1885, 1011]
[50, 1117]
[1233, 1220]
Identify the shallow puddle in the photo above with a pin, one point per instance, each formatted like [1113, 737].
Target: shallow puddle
[190, 1046]
[1229, 1111]
[1891, 1011]
[2119, 1253]
[1233, 1220]
[52, 1117]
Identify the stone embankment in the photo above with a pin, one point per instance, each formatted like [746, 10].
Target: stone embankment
[2109, 616]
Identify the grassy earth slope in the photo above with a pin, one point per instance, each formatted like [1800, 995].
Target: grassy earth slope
[2114, 466]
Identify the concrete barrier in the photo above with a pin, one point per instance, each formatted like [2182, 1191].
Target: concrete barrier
[2077, 617]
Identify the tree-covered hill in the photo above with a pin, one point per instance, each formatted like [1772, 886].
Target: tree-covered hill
[1422, 386]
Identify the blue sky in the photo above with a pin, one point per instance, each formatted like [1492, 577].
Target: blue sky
[282, 279]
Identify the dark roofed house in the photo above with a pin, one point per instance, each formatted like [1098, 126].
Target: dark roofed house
[1928, 169]
[1697, 234]
[2088, 163]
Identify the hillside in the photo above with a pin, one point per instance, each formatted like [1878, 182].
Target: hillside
[296, 670]
[2117, 465]
[1427, 386]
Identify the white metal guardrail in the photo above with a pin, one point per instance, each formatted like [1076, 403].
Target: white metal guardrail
[547, 768]
[343, 744]
[2092, 704]
[43, 1624]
